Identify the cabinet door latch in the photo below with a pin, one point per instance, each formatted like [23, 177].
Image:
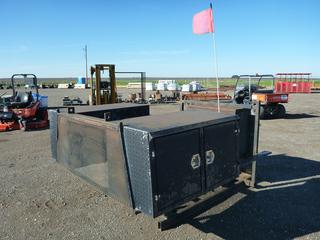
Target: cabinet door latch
[195, 161]
[210, 156]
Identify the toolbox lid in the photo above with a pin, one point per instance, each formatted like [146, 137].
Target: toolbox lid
[178, 121]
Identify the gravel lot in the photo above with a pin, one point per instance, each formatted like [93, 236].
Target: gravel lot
[41, 200]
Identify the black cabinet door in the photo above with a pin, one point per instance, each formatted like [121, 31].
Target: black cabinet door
[221, 154]
[177, 168]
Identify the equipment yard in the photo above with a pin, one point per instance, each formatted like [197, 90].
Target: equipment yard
[159, 120]
[42, 200]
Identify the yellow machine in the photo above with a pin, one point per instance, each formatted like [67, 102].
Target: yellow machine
[103, 91]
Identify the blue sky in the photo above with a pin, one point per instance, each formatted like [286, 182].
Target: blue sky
[46, 37]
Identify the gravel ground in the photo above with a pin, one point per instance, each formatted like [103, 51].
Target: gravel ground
[41, 200]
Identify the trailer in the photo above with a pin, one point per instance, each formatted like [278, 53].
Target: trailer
[157, 164]
[293, 83]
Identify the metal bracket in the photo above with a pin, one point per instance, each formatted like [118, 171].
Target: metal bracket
[210, 156]
[71, 110]
[195, 161]
[107, 116]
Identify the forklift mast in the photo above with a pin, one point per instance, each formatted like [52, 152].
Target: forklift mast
[102, 92]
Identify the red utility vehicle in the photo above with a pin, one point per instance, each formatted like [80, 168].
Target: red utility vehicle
[261, 88]
[23, 110]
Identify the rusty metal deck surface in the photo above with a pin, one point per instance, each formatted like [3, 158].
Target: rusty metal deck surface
[205, 96]
[225, 106]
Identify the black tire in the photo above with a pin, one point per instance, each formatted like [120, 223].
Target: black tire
[281, 111]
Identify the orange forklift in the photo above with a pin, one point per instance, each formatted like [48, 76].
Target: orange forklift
[261, 88]
[23, 110]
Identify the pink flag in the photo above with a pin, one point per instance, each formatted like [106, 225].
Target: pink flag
[203, 22]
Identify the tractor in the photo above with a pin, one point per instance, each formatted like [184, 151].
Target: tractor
[23, 110]
[260, 88]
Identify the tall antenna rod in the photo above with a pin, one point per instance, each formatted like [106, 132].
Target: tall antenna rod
[215, 60]
[86, 57]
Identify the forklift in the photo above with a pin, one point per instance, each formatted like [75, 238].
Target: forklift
[103, 91]
[250, 88]
[23, 110]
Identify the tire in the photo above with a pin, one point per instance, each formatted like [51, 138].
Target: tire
[281, 111]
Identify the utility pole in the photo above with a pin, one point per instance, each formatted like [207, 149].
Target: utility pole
[86, 57]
